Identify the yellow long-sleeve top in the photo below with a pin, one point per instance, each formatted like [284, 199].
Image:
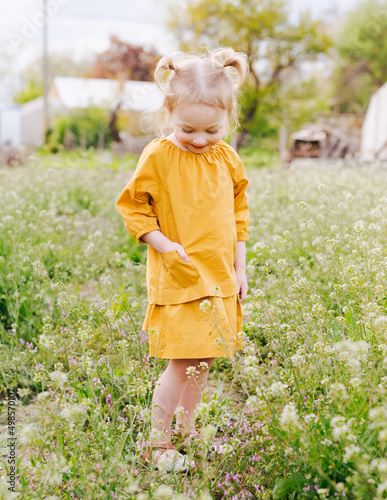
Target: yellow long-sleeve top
[197, 200]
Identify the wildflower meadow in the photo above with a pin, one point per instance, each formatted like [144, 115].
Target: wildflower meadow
[300, 413]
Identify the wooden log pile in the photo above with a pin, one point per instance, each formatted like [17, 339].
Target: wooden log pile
[322, 141]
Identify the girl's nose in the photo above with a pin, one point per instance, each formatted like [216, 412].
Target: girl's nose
[199, 140]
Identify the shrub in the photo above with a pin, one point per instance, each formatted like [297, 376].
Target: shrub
[88, 127]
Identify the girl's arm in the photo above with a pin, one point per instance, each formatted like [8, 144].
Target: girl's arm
[162, 244]
[240, 258]
[240, 269]
[242, 219]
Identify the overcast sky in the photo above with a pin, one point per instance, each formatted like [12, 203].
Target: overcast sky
[81, 28]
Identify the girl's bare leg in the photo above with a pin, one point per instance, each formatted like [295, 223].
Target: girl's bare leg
[177, 388]
[166, 397]
[192, 396]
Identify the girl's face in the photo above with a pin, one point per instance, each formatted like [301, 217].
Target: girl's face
[197, 127]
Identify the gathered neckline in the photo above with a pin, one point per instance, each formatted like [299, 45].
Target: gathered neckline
[205, 153]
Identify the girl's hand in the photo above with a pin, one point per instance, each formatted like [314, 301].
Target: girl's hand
[242, 283]
[162, 244]
[179, 249]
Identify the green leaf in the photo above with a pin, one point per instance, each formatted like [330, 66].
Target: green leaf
[283, 487]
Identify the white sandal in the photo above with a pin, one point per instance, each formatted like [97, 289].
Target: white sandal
[166, 460]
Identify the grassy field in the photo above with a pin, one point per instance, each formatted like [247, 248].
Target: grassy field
[300, 414]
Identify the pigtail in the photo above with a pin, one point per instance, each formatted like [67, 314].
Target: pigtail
[157, 120]
[228, 58]
[165, 69]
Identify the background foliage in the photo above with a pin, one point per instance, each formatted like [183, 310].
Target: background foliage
[362, 49]
[275, 47]
[86, 127]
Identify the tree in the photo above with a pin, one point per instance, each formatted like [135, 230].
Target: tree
[126, 61]
[30, 91]
[362, 48]
[260, 28]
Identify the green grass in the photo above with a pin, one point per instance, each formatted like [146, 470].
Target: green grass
[301, 414]
[264, 154]
[87, 159]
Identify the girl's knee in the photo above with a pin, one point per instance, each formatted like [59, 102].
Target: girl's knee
[181, 367]
[188, 368]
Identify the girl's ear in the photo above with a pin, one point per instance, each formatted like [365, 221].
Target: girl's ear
[167, 107]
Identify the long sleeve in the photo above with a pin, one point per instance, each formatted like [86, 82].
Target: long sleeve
[241, 208]
[136, 202]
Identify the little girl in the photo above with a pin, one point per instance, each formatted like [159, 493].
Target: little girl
[187, 201]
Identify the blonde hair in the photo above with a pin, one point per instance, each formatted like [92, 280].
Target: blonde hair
[213, 78]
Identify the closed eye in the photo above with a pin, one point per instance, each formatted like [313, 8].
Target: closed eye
[208, 131]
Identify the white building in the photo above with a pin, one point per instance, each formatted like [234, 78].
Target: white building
[10, 124]
[33, 122]
[68, 93]
[374, 130]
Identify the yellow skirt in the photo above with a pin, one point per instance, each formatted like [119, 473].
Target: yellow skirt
[203, 328]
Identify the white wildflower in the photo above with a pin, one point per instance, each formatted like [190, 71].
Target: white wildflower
[380, 323]
[340, 487]
[216, 291]
[249, 360]
[358, 228]
[46, 341]
[251, 401]
[23, 392]
[43, 396]
[226, 448]
[338, 391]
[375, 227]
[27, 434]
[39, 269]
[339, 427]
[190, 371]
[73, 413]
[278, 389]
[350, 452]
[59, 377]
[355, 382]
[289, 418]
[205, 496]
[311, 417]
[205, 306]
[202, 409]
[163, 491]
[382, 465]
[297, 360]
[382, 487]
[353, 353]
[90, 248]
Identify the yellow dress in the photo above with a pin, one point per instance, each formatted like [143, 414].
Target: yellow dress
[199, 201]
